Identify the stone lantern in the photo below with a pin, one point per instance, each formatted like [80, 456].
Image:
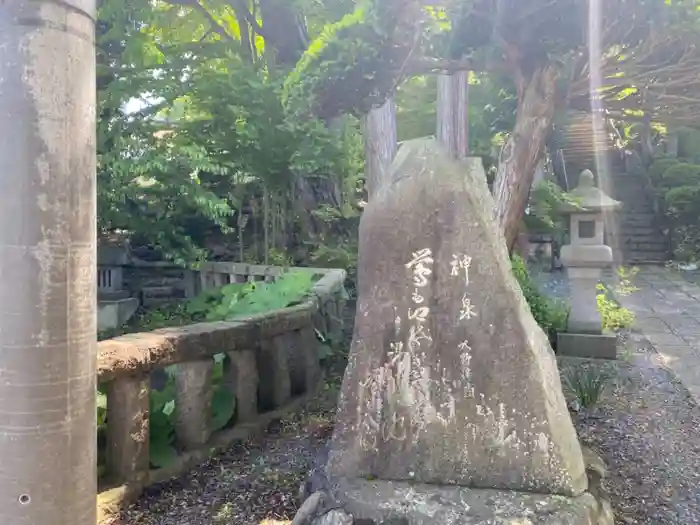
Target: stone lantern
[584, 258]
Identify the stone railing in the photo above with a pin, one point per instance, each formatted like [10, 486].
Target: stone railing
[272, 366]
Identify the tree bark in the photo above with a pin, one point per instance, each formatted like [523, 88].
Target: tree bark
[452, 113]
[523, 148]
[646, 142]
[284, 31]
[48, 235]
[380, 145]
[672, 143]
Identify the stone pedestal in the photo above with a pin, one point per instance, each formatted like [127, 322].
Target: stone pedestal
[379, 502]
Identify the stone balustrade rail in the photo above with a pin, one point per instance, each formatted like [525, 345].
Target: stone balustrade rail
[272, 366]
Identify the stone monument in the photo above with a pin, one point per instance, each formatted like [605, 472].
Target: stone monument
[584, 259]
[451, 408]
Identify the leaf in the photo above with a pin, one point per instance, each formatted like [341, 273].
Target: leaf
[169, 407]
[223, 407]
[161, 452]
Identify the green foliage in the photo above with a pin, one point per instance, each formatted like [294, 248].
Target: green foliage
[678, 191]
[352, 65]
[587, 383]
[548, 203]
[682, 174]
[161, 430]
[659, 167]
[613, 316]
[238, 300]
[210, 136]
[689, 144]
[492, 106]
[550, 314]
[682, 204]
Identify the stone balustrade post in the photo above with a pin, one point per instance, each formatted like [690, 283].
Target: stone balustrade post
[193, 396]
[127, 428]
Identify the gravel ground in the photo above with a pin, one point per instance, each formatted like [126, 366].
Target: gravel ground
[647, 430]
[253, 483]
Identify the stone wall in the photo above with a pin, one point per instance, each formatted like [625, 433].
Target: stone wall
[273, 365]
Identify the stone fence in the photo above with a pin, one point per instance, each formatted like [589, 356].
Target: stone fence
[272, 365]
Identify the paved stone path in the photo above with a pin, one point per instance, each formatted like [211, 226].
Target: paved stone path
[667, 309]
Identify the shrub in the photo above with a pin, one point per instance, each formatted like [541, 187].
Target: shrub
[689, 144]
[681, 174]
[659, 167]
[681, 205]
[550, 314]
[613, 316]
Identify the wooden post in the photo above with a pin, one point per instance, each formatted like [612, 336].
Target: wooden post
[380, 145]
[452, 113]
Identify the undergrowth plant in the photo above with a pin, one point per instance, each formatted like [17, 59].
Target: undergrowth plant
[613, 315]
[552, 315]
[587, 383]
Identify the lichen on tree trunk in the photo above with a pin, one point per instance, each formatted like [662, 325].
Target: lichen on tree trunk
[523, 148]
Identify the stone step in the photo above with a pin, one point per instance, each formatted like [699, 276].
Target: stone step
[641, 230]
[645, 247]
[638, 220]
[644, 251]
[638, 239]
[646, 259]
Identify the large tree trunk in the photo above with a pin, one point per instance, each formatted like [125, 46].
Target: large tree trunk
[48, 325]
[284, 31]
[524, 148]
[380, 145]
[452, 113]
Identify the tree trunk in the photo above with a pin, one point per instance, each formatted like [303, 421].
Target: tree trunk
[672, 143]
[646, 141]
[284, 32]
[48, 267]
[380, 145]
[523, 149]
[452, 113]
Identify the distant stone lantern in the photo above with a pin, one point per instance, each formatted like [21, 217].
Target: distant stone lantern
[584, 258]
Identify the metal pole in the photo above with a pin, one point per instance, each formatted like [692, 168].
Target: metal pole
[47, 263]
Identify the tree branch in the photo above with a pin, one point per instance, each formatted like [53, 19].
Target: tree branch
[239, 5]
[215, 25]
[427, 65]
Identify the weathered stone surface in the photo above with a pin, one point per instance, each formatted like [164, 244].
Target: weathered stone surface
[312, 508]
[241, 373]
[273, 367]
[450, 380]
[417, 504]
[334, 517]
[127, 432]
[310, 355]
[193, 396]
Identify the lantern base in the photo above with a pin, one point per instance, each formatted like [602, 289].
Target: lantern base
[596, 346]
